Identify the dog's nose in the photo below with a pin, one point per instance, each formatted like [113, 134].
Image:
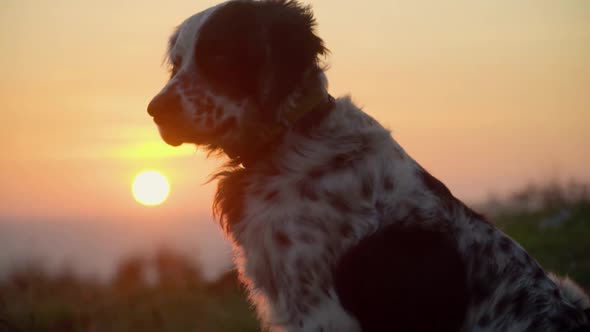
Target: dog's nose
[164, 103]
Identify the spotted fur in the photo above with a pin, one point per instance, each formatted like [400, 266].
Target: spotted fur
[333, 223]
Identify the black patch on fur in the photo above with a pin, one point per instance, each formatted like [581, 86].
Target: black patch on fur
[337, 163]
[475, 216]
[560, 323]
[484, 321]
[380, 208]
[302, 307]
[330, 249]
[306, 190]
[502, 306]
[513, 277]
[488, 250]
[475, 247]
[484, 276]
[505, 244]
[258, 49]
[346, 231]
[325, 286]
[338, 202]
[479, 291]
[539, 274]
[367, 186]
[314, 301]
[314, 118]
[283, 241]
[534, 326]
[585, 328]
[316, 173]
[341, 161]
[304, 278]
[271, 196]
[388, 183]
[435, 186]
[520, 303]
[404, 279]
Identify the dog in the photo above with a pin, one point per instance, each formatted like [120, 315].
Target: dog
[334, 226]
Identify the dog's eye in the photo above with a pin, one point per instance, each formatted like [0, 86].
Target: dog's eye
[173, 71]
[174, 66]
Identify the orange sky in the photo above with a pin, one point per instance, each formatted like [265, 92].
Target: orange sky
[487, 95]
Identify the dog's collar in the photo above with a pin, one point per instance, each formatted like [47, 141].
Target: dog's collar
[311, 109]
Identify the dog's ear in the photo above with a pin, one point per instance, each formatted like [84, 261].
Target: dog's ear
[291, 49]
[259, 49]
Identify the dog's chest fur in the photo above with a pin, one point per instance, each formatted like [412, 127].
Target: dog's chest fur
[293, 216]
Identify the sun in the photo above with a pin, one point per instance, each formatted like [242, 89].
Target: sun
[150, 188]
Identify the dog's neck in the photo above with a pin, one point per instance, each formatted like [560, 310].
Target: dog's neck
[313, 104]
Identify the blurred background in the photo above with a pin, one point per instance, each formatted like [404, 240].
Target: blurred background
[492, 97]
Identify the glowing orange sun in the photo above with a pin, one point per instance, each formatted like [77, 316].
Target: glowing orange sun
[150, 188]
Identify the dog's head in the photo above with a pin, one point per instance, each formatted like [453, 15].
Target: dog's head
[233, 65]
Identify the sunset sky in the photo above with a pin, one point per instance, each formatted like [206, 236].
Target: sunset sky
[487, 95]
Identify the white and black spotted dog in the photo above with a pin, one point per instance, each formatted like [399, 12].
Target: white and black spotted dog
[335, 227]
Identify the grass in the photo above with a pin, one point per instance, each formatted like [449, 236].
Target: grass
[35, 301]
[31, 300]
[565, 249]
